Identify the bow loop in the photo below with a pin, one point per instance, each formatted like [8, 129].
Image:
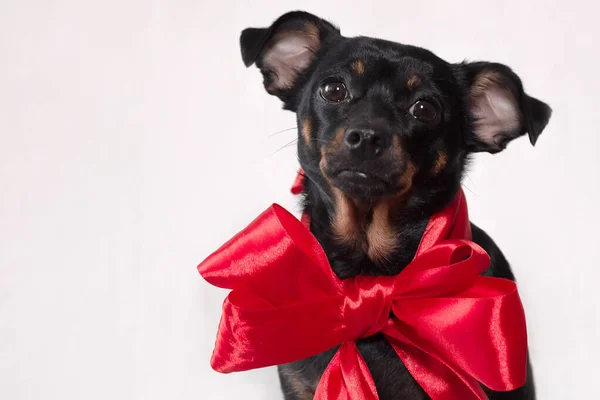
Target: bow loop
[248, 319]
[480, 330]
[276, 256]
[442, 270]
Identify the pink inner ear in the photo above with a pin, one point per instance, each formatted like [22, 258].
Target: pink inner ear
[496, 111]
[289, 53]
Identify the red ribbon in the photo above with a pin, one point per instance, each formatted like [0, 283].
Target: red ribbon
[298, 186]
[451, 327]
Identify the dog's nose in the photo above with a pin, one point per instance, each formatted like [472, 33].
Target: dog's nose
[366, 143]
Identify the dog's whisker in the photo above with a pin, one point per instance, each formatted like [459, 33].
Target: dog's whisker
[283, 147]
[468, 188]
[285, 130]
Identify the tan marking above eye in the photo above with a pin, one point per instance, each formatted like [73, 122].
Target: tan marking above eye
[307, 131]
[358, 66]
[413, 81]
[440, 162]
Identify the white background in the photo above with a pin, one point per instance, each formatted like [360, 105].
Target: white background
[133, 142]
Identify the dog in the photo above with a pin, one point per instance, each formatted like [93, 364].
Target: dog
[385, 131]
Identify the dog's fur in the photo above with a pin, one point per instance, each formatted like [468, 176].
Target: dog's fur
[385, 131]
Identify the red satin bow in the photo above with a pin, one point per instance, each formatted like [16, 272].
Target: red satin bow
[451, 327]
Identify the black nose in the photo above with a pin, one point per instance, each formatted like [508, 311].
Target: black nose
[366, 143]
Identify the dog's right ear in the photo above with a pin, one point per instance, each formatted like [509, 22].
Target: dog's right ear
[285, 50]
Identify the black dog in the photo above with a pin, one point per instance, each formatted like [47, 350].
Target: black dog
[385, 131]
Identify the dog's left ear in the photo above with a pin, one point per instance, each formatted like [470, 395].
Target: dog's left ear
[501, 111]
[285, 50]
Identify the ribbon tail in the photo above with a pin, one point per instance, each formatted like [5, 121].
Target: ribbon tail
[440, 380]
[347, 377]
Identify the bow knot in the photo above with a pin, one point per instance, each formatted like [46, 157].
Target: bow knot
[368, 304]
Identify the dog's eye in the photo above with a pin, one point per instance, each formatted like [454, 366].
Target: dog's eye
[334, 92]
[425, 111]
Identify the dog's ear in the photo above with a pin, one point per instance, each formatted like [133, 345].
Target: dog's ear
[501, 111]
[285, 49]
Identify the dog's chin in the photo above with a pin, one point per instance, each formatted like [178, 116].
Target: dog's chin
[364, 186]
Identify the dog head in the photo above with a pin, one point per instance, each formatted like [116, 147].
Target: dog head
[378, 118]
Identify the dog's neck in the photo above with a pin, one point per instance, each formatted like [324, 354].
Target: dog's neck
[368, 238]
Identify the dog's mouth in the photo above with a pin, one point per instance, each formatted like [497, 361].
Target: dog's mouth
[362, 184]
[367, 180]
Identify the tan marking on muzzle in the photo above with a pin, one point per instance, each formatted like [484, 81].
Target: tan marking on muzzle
[307, 131]
[409, 172]
[358, 66]
[407, 177]
[323, 162]
[381, 237]
[440, 162]
[338, 140]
